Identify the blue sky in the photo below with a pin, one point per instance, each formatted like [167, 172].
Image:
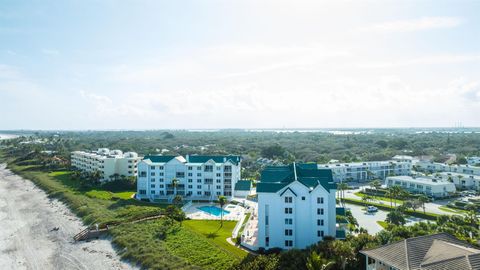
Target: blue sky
[238, 64]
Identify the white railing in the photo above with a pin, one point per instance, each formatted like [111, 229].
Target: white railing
[238, 226]
[186, 206]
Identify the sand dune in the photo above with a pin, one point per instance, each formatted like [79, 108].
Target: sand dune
[27, 241]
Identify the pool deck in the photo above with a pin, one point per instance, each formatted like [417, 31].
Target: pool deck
[236, 212]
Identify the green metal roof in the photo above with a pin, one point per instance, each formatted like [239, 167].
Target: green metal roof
[216, 159]
[274, 178]
[159, 158]
[340, 234]
[243, 185]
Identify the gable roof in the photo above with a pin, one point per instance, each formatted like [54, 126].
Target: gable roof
[159, 158]
[433, 252]
[274, 178]
[245, 185]
[217, 159]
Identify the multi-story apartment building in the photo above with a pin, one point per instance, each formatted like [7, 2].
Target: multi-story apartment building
[430, 186]
[462, 181]
[473, 160]
[109, 163]
[431, 167]
[197, 177]
[365, 171]
[296, 207]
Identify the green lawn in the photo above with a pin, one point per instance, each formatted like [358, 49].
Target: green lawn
[380, 198]
[452, 210]
[194, 245]
[215, 234]
[384, 224]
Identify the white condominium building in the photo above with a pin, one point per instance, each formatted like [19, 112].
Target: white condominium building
[366, 171]
[473, 160]
[110, 163]
[432, 167]
[296, 207]
[433, 187]
[462, 181]
[198, 177]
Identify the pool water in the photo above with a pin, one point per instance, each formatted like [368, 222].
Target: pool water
[213, 210]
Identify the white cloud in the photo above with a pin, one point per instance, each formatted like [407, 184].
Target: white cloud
[421, 24]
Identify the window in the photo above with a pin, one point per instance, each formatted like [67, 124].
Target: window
[320, 222]
[288, 210]
[152, 179]
[199, 187]
[161, 167]
[160, 186]
[199, 193]
[219, 187]
[190, 174]
[199, 174]
[143, 174]
[288, 221]
[319, 211]
[303, 198]
[190, 186]
[152, 174]
[161, 174]
[288, 243]
[152, 186]
[190, 168]
[219, 168]
[143, 191]
[219, 193]
[288, 199]
[288, 232]
[199, 168]
[199, 180]
[190, 180]
[160, 180]
[152, 192]
[267, 241]
[219, 175]
[180, 174]
[219, 181]
[208, 168]
[152, 167]
[320, 200]
[320, 233]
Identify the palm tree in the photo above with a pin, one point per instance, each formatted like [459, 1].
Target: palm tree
[222, 200]
[389, 194]
[376, 184]
[423, 199]
[343, 251]
[396, 191]
[342, 187]
[174, 185]
[316, 262]
[365, 199]
[177, 200]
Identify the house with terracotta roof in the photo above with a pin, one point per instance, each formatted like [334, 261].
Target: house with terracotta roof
[440, 251]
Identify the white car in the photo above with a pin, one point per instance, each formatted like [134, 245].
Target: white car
[371, 209]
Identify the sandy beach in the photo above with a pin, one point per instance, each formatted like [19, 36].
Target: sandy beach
[27, 241]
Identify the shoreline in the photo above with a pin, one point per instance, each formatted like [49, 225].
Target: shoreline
[27, 238]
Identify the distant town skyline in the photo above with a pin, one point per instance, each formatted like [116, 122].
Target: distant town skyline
[78, 65]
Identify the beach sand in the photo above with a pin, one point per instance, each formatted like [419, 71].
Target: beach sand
[27, 241]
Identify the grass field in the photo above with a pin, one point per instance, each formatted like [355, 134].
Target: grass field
[380, 198]
[384, 224]
[153, 244]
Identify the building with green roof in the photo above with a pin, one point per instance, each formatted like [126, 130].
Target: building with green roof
[296, 206]
[196, 177]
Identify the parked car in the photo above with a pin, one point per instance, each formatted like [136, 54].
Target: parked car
[372, 209]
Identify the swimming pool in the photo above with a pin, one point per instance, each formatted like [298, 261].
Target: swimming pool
[213, 210]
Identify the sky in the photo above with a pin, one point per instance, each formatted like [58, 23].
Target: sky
[88, 64]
